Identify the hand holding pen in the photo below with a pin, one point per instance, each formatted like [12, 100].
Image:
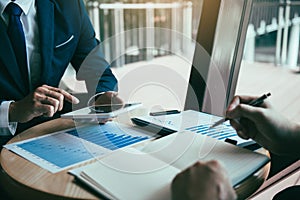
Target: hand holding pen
[265, 125]
[255, 102]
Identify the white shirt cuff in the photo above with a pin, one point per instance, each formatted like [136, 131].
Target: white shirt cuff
[6, 127]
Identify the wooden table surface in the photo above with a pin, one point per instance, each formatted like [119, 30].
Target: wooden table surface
[22, 178]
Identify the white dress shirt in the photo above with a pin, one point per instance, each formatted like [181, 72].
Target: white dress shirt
[30, 28]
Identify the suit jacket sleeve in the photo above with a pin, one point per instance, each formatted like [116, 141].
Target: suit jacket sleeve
[91, 66]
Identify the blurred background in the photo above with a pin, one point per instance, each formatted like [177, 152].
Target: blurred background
[273, 33]
[271, 53]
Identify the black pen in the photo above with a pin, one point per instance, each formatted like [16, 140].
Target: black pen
[254, 102]
[166, 112]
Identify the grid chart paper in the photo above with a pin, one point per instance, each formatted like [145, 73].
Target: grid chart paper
[61, 150]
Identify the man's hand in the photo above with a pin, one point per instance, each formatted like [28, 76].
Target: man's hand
[264, 125]
[109, 97]
[44, 101]
[203, 181]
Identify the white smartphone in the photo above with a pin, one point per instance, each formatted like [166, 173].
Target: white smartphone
[101, 111]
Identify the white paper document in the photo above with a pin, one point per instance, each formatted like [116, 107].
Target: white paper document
[197, 122]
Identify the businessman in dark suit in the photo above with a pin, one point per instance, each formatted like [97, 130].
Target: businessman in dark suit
[55, 33]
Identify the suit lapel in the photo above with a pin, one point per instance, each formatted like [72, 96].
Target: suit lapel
[45, 10]
[9, 61]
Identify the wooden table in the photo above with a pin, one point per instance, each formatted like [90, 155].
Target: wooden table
[21, 178]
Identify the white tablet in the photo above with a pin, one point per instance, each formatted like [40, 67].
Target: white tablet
[101, 111]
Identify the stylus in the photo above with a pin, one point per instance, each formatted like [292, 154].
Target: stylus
[255, 102]
[166, 112]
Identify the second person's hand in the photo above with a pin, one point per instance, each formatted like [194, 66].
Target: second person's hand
[203, 181]
[262, 124]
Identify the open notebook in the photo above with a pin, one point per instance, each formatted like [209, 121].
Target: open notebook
[147, 172]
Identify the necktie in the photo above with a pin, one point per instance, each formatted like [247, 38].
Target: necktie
[17, 38]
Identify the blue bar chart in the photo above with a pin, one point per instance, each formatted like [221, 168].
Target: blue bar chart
[108, 136]
[221, 132]
[58, 151]
[61, 150]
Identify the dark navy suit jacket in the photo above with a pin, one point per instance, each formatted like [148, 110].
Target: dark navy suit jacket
[66, 36]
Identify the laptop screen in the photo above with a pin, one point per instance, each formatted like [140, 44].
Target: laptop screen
[218, 53]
